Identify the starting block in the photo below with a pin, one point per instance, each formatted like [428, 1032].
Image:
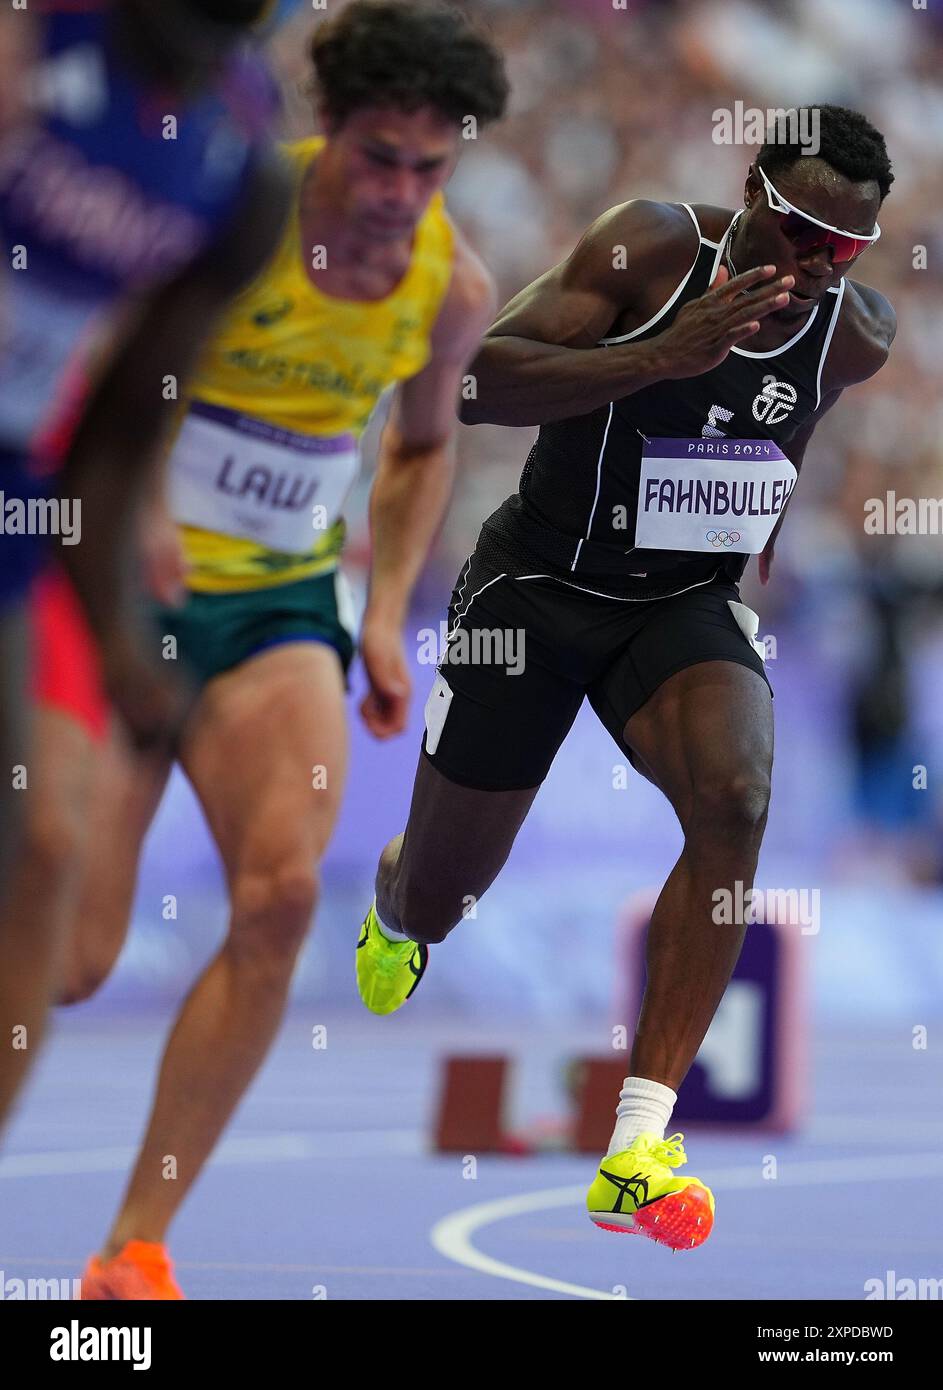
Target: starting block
[472, 1105]
[748, 1073]
[473, 1117]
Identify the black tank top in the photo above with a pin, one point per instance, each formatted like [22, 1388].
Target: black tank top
[581, 469]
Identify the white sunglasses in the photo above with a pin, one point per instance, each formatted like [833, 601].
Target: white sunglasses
[808, 234]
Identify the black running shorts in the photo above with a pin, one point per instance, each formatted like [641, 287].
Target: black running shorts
[522, 653]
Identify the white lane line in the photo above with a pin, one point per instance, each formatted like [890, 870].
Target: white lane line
[250, 1148]
[452, 1238]
[452, 1235]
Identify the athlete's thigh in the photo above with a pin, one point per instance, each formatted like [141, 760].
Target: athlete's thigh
[14, 730]
[266, 752]
[711, 724]
[123, 792]
[59, 788]
[689, 699]
[44, 877]
[509, 685]
[498, 711]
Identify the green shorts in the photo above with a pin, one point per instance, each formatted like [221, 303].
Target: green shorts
[215, 632]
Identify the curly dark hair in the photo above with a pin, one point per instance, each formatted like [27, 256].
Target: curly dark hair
[847, 141]
[408, 54]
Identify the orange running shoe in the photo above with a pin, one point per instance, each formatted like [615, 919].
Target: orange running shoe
[140, 1270]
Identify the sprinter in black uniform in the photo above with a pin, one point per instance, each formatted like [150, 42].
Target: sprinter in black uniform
[677, 364]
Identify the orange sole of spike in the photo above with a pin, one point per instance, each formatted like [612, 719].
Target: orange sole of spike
[682, 1220]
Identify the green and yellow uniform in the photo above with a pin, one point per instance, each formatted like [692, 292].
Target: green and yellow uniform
[268, 445]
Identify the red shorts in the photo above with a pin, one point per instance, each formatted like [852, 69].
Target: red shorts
[66, 671]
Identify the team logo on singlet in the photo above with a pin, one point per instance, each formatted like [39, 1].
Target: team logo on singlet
[775, 402]
[717, 415]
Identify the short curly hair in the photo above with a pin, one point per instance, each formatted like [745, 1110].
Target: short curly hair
[847, 141]
[407, 54]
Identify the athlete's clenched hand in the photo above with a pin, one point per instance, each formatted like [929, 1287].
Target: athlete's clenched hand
[706, 329]
[385, 707]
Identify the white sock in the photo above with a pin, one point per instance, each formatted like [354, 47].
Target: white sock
[388, 932]
[644, 1107]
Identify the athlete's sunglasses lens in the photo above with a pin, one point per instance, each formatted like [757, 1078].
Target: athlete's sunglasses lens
[807, 236]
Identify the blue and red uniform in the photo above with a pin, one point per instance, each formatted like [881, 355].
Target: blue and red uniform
[107, 194]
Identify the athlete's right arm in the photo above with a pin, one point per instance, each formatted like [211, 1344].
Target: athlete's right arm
[540, 360]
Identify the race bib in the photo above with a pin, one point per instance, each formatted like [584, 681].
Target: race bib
[711, 494]
[243, 477]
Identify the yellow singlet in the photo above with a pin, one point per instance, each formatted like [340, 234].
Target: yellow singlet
[268, 443]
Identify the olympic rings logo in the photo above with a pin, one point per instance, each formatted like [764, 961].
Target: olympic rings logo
[719, 539]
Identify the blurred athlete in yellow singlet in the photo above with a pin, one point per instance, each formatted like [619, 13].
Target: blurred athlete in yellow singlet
[371, 288]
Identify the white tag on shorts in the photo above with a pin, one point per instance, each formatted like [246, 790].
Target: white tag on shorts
[749, 624]
[711, 495]
[437, 708]
[346, 605]
[240, 476]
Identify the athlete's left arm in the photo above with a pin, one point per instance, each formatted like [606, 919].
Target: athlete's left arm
[117, 446]
[412, 485]
[862, 342]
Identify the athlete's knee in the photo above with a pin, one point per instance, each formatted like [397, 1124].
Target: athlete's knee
[50, 851]
[730, 804]
[429, 931]
[80, 981]
[76, 988]
[272, 909]
[426, 915]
